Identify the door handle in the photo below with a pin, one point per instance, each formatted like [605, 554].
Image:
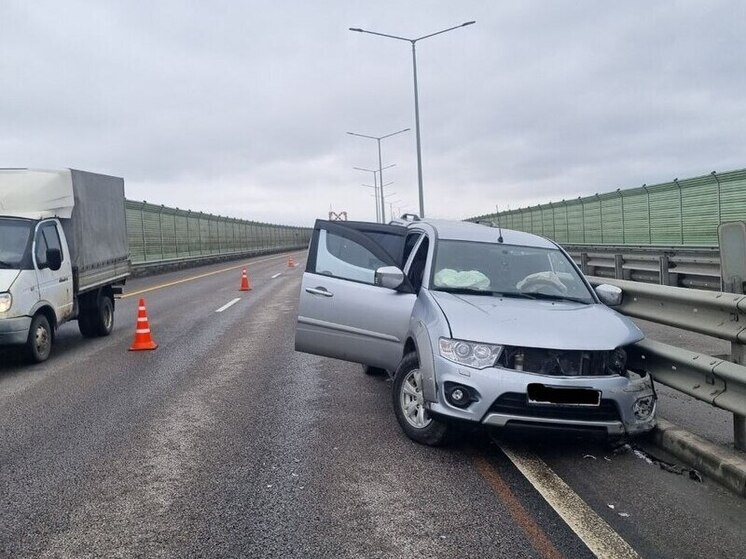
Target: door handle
[319, 291]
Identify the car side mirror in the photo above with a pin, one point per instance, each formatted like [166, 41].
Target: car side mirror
[610, 295]
[389, 277]
[54, 259]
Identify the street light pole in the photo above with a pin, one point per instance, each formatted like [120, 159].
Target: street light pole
[380, 164]
[375, 171]
[416, 95]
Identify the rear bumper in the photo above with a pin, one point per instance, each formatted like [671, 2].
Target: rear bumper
[14, 331]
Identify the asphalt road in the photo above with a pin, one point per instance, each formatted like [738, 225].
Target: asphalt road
[224, 442]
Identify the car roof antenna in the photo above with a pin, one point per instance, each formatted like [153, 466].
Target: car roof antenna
[500, 229]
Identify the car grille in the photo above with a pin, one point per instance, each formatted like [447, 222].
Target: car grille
[514, 403]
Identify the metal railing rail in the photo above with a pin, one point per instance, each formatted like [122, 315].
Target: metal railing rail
[697, 268]
[718, 381]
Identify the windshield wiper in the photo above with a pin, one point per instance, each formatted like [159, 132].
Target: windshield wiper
[550, 297]
[515, 294]
[467, 291]
[4, 264]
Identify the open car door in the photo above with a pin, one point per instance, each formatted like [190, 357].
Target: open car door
[342, 313]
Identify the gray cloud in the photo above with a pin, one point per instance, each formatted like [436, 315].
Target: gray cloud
[241, 108]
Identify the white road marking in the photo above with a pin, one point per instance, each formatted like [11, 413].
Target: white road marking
[595, 532]
[277, 275]
[229, 304]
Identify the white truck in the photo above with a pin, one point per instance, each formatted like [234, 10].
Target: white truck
[63, 255]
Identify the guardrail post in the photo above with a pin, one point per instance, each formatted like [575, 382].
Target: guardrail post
[160, 229]
[584, 263]
[738, 355]
[142, 224]
[665, 274]
[618, 266]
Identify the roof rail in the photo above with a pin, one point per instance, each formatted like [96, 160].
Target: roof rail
[409, 217]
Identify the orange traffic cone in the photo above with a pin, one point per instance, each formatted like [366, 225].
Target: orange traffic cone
[291, 262]
[245, 285]
[143, 340]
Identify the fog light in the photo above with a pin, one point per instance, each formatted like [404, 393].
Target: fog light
[643, 408]
[459, 395]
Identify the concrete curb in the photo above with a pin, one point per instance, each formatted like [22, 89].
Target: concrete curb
[725, 466]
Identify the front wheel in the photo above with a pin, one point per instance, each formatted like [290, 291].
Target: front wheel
[409, 405]
[39, 343]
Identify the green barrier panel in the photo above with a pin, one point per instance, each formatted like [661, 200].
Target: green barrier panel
[159, 233]
[683, 212]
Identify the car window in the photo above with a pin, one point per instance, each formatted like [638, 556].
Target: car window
[15, 236]
[52, 236]
[507, 269]
[41, 249]
[46, 237]
[416, 271]
[343, 258]
[409, 244]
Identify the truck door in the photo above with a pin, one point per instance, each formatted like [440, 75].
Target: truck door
[55, 286]
[342, 313]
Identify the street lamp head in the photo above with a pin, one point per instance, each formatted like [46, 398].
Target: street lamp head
[356, 29]
[465, 24]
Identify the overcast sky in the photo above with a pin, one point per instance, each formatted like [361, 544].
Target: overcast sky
[241, 107]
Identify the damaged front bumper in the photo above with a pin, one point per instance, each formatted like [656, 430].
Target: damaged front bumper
[498, 397]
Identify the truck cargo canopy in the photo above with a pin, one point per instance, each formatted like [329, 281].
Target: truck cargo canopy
[36, 193]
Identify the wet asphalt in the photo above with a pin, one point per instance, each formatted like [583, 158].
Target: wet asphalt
[225, 442]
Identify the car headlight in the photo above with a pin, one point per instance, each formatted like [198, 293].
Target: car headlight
[471, 354]
[6, 299]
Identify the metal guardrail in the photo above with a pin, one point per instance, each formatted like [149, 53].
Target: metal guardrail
[717, 381]
[697, 268]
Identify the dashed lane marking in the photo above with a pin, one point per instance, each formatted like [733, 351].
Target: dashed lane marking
[277, 275]
[199, 276]
[593, 530]
[229, 304]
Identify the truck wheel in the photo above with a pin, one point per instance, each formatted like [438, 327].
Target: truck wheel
[105, 316]
[39, 343]
[98, 321]
[409, 406]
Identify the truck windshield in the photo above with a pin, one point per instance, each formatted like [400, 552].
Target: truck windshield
[15, 243]
[506, 270]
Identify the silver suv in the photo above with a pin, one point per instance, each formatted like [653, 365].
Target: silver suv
[475, 324]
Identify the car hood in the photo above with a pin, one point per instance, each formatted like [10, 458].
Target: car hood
[7, 277]
[536, 323]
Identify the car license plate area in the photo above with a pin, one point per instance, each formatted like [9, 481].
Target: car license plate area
[538, 394]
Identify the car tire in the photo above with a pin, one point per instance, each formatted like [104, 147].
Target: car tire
[39, 342]
[409, 408]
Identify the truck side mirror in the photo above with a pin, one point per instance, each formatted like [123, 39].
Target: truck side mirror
[54, 259]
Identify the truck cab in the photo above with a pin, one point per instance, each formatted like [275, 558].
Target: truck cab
[35, 278]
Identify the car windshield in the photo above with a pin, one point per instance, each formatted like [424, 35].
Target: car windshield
[506, 270]
[14, 241]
